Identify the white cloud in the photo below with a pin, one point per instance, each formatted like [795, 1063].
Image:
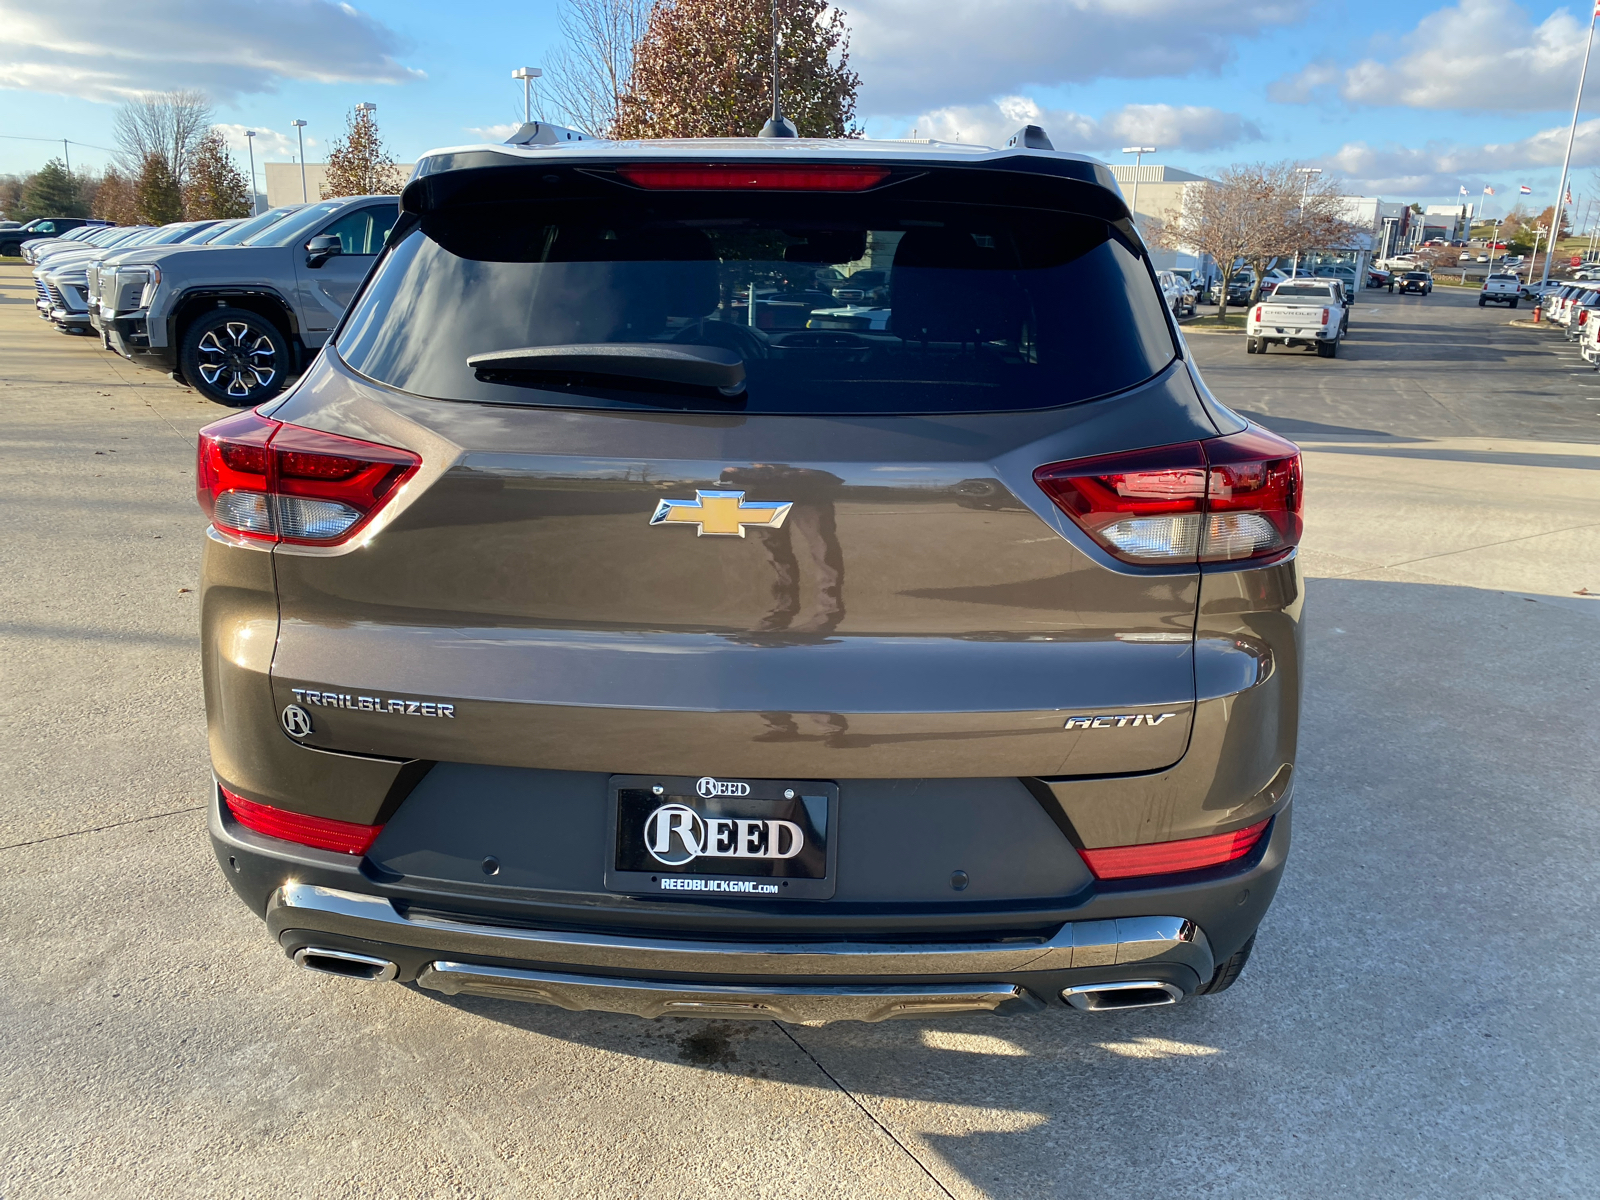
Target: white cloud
[495, 133]
[106, 50]
[1479, 54]
[269, 143]
[1439, 169]
[914, 53]
[1166, 126]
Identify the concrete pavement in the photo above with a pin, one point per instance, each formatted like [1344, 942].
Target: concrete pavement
[1420, 1017]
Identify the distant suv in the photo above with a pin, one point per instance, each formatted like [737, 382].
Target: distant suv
[571, 636]
[1417, 283]
[236, 322]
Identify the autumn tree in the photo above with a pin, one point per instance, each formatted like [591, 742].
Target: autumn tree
[168, 125]
[215, 188]
[116, 199]
[53, 191]
[704, 69]
[590, 73]
[358, 165]
[158, 196]
[1548, 215]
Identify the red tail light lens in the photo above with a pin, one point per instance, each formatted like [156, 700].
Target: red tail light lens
[1324, 316]
[1163, 858]
[324, 833]
[271, 482]
[1258, 312]
[1221, 500]
[844, 177]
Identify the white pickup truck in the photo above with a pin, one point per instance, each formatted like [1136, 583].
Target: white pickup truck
[1501, 287]
[1302, 312]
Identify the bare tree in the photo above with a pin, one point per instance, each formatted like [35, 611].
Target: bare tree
[1256, 212]
[590, 73]
[168, 124]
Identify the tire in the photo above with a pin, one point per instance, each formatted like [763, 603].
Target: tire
[1513, 304]
[1327, 349]
[1254, 346]
[1227, 972]
[1480, 302]
[235, 357]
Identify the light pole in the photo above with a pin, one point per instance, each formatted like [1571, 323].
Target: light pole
[250, 141]
[300, 132]
[1566, 163]
[1307, 174]
[1138, 153]
[527, 75]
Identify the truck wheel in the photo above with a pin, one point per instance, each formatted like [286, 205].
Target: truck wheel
[1480, 301]
[1227, 972]
[1327, 349]
[1513, 304]
[234, 356]
[1252, 345]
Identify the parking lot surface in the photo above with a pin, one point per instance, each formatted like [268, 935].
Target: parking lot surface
[1421, 1017]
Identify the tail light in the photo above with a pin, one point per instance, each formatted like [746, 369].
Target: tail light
[1324, 316]
[838, 177]
[1162, 858]
[1583, 316]
[324, 833]
[1222, 500]
[1258, 312]
[271, 482]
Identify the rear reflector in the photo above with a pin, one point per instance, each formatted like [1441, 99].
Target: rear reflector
[1222, 500]
[1163, 858]
[324, 833]
[844, 177]
[268, 481]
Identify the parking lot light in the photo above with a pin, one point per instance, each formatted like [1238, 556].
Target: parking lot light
[300, 131]
[1138, 153]
[527, 75]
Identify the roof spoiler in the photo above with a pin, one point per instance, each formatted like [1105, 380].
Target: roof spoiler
[1029, 137]
[542, 133]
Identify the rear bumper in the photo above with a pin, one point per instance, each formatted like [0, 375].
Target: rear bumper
[713, 959]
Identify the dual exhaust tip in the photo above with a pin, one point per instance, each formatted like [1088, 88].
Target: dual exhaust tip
[1089, 997]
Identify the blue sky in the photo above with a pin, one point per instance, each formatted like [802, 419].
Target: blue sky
[1406, 101]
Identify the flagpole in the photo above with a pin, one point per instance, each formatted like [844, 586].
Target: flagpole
[1566, 162]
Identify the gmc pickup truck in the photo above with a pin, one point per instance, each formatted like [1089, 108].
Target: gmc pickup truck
[1302, 312]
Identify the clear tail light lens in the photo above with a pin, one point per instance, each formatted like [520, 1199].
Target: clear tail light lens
[268, 481]
[1163, 858]
[1222, 500]
[324, 833]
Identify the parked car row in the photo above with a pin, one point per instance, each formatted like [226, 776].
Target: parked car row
[235, 309]
[14, 234]
[1569, 307]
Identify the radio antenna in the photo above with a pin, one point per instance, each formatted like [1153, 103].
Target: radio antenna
[779, 126]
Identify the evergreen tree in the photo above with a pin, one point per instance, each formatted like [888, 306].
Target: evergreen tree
[358, 165]
[704, 69]
[216, 188]
[53, 192]
[158, 197]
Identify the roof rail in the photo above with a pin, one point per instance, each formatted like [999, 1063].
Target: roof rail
[1030, 137]
[542, 133]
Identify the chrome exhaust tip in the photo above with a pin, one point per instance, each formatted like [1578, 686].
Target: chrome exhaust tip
[1114, 997]
[345, 964]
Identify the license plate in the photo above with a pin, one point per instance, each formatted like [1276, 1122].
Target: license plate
[771, 839]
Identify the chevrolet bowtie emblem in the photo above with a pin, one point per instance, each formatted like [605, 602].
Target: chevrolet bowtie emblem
[724, 514]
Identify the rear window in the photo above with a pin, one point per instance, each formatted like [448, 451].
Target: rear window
[835, 303]
[1300, 291]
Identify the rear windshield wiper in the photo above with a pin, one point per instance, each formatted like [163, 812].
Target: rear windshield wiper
[633, 365]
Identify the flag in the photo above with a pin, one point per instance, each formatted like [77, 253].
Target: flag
[1524, 188]
[1464, 186]
[1569, 190]
[1489, 191]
